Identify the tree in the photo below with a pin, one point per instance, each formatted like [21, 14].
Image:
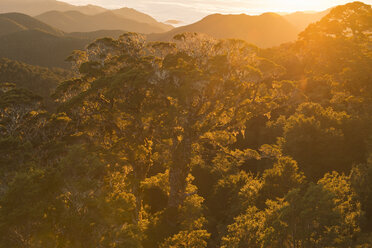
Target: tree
[361, 181]
[199, 85]
[21, 118]
[193, 239]
[338, 46]
[113, 103]
[281, 179]
[314, 136]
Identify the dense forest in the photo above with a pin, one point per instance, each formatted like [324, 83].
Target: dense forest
[41, 81]
[198, 142]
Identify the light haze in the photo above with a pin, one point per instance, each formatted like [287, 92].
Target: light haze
[192, 10]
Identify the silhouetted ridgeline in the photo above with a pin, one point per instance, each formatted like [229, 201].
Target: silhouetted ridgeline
[74, 21]
[266, 30]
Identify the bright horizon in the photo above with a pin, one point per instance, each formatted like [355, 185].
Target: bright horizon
[190, 11]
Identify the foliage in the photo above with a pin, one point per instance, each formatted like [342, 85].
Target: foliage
[196, 142]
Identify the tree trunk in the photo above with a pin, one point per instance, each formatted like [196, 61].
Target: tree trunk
[137, 192]
[178, 173]
[140, 173]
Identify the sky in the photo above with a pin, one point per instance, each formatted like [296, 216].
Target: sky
[189, 11]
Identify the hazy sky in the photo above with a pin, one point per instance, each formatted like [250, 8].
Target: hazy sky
[193, 10]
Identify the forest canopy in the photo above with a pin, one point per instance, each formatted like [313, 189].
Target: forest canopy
[198, 142]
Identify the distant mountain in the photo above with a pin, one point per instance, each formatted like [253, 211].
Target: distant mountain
[302, 19]
[266, 30]
[44, 49]
[39, 48]
[137, 16]
[91, 18]
[74, 21]
[37, 7]
[15, 22]
[29, 40]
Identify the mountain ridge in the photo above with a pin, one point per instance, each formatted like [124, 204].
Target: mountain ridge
[28, 40]
[302, 19]
[15, 22]
[37, 7]
[75, 21]
[265, 30]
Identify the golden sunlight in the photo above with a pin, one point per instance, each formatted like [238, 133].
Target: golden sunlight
[299, 5]
[185, 123]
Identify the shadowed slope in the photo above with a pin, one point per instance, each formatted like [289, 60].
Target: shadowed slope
[74, 21]
[40, 80]
[39, 48]
[14, 22]
[27, 39]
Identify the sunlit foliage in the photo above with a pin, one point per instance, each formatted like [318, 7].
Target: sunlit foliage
[195, 143]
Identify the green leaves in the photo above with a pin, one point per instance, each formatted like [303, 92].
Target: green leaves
[184, 239]
[314, 136]
[196, 142]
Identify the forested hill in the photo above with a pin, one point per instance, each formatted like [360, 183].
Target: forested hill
[16, 22]
[37, 47]
[71, 18]
[74, 21]
[39, 80]
[40, 48]
[266, 30]
[27, 39]
[32, 41]
[195, 143]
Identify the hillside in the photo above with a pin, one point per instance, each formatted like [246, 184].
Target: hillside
[15, 22]
[112, 20]
[74, 21]
[302, 19]
[137, 16]
[40, 80]
[265, 30]
[37, 7]
[44, 49]
[96, 34]
[39, 48]
[29, 40]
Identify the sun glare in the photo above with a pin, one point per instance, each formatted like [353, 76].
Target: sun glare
[300, 5]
